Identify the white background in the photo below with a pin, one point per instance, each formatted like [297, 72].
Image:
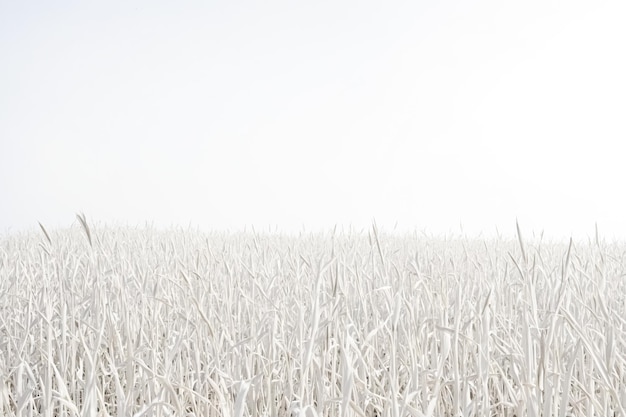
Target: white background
[292, 114]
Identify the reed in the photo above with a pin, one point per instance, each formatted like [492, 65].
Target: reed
[132, 322]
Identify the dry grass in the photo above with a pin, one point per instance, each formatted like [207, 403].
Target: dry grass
[127, 322]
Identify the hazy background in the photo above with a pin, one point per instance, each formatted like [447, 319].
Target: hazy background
[424, 114]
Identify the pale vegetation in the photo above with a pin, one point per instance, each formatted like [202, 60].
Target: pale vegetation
[128, 322]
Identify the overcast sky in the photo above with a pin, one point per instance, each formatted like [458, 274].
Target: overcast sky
[291, 114]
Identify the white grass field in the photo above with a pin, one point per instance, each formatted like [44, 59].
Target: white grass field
[125, 322]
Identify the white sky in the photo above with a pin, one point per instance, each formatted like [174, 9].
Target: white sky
[289, 113]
